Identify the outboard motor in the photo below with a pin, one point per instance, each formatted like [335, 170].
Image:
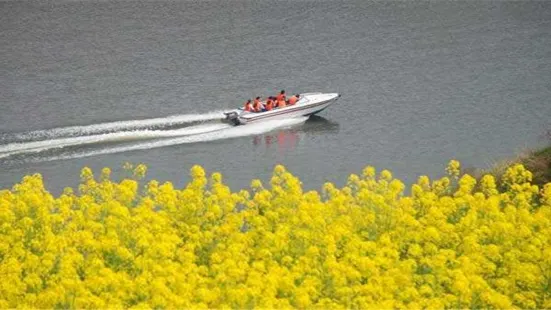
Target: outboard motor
[232, 117]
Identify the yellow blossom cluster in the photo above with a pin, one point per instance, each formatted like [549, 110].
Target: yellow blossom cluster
[447, 243]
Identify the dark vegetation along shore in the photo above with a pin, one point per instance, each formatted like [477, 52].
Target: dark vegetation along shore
[537, 161]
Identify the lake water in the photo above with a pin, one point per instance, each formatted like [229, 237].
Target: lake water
[421, 82]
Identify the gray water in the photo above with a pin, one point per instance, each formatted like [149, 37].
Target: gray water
[421, 83]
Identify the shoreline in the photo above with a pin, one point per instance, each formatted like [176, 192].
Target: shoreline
[537, 161]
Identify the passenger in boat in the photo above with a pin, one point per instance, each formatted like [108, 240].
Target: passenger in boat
[281, 103]
[269, 104]
[281, 96]
[257, 106]
[293, 99]
[248, 106]
[256, 100]
[274, 102]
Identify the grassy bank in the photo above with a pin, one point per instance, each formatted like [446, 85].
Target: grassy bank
[537, 161]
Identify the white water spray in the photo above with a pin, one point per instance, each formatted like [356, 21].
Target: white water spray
[117, 126]
[43, 145]
[233, 132]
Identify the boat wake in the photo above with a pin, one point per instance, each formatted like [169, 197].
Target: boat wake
[116, 137]
[39, 146]
[130, 125]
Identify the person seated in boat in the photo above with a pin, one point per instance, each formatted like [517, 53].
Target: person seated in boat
[281, 103]
[274, 102]
[257, 106]
[281, 96]
[269, 104]
[256, 101]
[293, 99]
[248, 106]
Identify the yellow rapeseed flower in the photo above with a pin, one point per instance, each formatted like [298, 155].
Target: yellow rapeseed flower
[365, 245]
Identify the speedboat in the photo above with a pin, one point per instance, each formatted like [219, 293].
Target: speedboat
[308, 104]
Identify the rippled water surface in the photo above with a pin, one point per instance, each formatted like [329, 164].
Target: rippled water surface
[98, 83]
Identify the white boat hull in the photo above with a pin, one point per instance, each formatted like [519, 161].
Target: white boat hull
[309, 104]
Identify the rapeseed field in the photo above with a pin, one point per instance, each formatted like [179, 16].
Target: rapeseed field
[454, 242]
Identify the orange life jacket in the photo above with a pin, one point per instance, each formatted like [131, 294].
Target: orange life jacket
[248, 107]
[281, 103]
[269, 105]
[293, 100]
[280, 97]
[257, 106]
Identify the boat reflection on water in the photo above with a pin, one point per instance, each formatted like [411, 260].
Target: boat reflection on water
[289, 138]
[317, 123]
[284, 139]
